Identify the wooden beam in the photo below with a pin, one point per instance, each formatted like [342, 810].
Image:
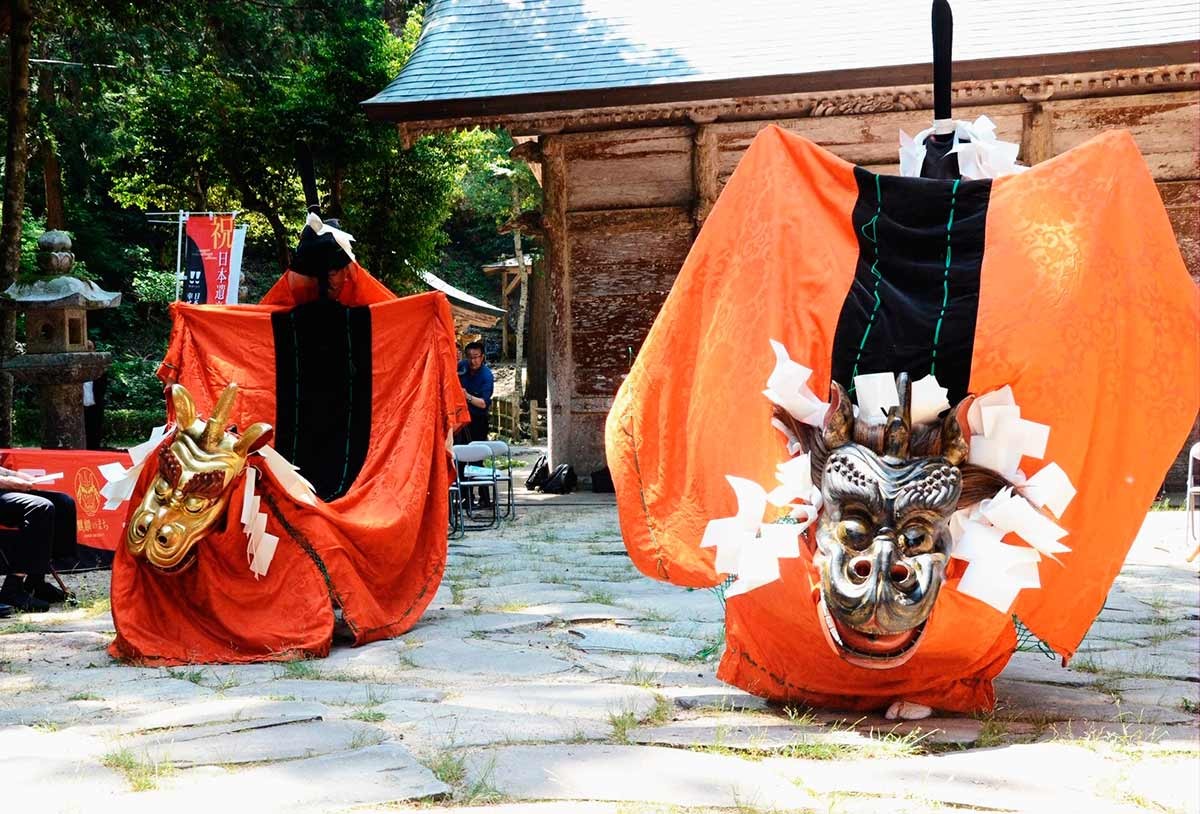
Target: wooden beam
[509, 285]
[890, 92]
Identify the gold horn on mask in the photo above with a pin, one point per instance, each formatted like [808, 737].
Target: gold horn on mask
[214, 430]
[185, 408]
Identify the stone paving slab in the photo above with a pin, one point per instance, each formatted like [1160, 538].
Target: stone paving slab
[259, 744]
[57, 714]
[1163, 693]
[578, 701]
[133, 692]
[384, 773]
[47, 783]
[441, 624]
[1128, 735]
[1036, 667]
[503, 672]
[632, 641]
[731, 700]
[1158, 662]
[522, 595]
[432, 727]
[1030, 778]
[742, 734]
[485, 658]
[221, 710]
[671, 776]
[1030, 701]
[339, 693]
[582, 612]
[697, 606]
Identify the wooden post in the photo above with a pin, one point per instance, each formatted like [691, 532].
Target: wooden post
[504, 319]
[704, 172]
[559, 356]
[535, 381]
[535, 422]
[1037, 134]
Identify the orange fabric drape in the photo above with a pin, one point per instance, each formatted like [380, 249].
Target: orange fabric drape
[378, 551]
[1085, 308]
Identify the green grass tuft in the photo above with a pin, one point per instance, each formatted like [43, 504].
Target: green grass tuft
[141, 775]
[371, 716]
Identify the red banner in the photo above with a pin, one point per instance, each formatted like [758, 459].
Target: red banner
[212, 260]
[97, 527]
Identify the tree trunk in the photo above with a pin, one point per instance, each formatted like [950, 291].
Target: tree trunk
[283, 249]
[56, 217]
[336, 184]
[523, 276]
[16, 161]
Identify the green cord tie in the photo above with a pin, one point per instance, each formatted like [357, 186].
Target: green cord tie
[937, 331]
[873, 237]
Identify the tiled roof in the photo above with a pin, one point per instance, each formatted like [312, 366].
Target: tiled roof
[494, 51]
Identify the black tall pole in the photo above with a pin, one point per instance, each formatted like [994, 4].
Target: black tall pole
[943, 37]
[308, 176]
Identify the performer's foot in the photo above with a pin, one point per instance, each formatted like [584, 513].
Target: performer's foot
[6, 611]
[13, 593]
[907, 711]
[38, 588]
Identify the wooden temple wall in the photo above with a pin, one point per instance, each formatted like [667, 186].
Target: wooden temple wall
[622, 207]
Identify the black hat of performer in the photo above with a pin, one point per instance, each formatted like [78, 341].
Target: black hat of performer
[322, 249]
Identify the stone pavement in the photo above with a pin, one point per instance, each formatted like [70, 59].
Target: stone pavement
[548, 676]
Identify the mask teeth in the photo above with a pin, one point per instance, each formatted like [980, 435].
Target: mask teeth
[827, 618]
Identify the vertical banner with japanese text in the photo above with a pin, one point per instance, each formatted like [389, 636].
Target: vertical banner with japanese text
[212, 260]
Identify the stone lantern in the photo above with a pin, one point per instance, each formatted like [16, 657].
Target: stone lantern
[56, 359]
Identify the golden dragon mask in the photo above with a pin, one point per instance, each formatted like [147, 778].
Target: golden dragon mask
[196, 473]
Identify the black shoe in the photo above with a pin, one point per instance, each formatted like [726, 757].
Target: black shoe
[6, 611]
[40, 589]
[13, 593]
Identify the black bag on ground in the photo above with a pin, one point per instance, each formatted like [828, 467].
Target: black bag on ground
[562, 481]
[602, 481]
[539, 475]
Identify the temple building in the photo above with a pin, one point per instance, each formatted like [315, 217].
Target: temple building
[635, 114]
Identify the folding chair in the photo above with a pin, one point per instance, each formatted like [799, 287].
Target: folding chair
[456, 511]
[1193, 493]
[475, 478]
[505, 476]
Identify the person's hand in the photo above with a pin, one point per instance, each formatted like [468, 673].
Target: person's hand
[15, 482]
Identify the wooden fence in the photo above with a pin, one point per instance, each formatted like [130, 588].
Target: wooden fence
[507, 420]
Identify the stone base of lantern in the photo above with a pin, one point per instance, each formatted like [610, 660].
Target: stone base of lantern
[59, 378]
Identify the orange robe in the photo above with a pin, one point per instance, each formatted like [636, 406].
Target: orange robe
[1084, 308]
[378, 551]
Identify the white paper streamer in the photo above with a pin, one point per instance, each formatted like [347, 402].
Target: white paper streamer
[288, 476]
[787, 387]
[750, 549]
[980, 153]
[121, 481]
[1050, 488]
[260, 546]
[928, 399]
[876, 393]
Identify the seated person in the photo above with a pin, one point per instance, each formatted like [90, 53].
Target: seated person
[45, 527]
[477, 383]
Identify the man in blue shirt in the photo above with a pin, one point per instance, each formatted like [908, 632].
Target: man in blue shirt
[477, 383]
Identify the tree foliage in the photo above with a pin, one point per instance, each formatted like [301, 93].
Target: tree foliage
[201, 105]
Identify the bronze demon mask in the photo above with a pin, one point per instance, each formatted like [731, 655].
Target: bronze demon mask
[190, 493]
[883, 538]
